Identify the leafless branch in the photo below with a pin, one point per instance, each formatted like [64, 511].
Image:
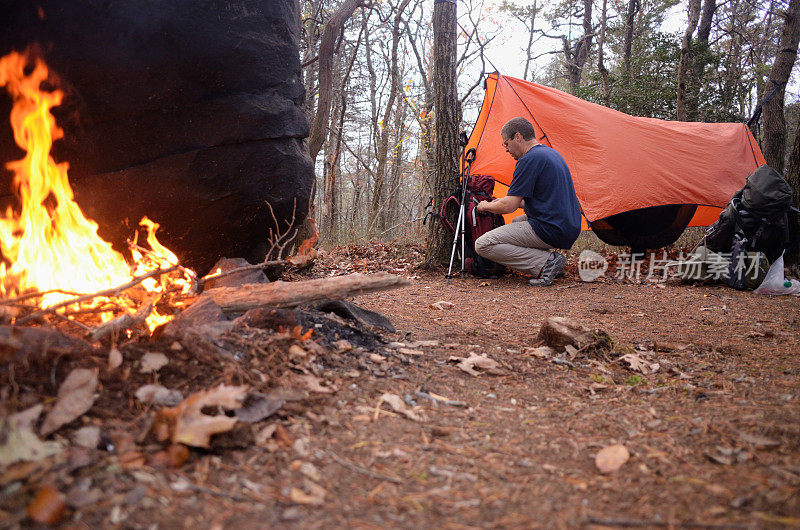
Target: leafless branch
[114, 291]
[37, 294]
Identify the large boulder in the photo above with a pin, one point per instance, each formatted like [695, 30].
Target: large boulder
[187, 111]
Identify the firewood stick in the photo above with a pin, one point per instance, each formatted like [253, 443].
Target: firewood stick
[291, 294]
[114, 291]
[125, 322]
[36, 294]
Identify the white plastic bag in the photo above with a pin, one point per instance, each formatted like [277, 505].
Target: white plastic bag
[774, 282]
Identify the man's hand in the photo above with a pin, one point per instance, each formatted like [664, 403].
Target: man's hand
[503, 205]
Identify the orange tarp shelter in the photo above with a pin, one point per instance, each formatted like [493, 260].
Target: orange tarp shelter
[618, 162]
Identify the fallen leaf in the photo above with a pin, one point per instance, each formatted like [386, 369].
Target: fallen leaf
[542, 352]
[192, 427]
[398, 405]
[152, 362]
[114, 359]
[441, 304]
[258, 406]
[47, 506]
[409, 351]
[75, 397]
[87, 437]
[132, 460]
[609, 459]
[342, 346]
[282, 436]
[299, 496]
[424, 344]
[722, 460]
[312, 384]
[158, 395]
[82, 494]
[297, 353]
[26, 420]
[758, 441]
[266, 434]
[638, 364]
[468, 364]
[308, 469]
[174, 456]
[22, 445]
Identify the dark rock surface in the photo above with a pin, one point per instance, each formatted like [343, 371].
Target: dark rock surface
[236, 279]
[189, 112]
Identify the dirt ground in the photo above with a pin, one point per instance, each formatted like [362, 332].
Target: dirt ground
[711, 421]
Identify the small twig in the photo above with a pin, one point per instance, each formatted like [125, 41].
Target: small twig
[125, 322]
[437, 401]
[401, 224]
[362, 470]
[644, 523]
[72, 321]
[654, 390]
[114, 291]
[276, 238]
[221, 494]
[556, 360]
[567, 286]
[37, 294]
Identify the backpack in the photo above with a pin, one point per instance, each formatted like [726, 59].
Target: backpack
[479, 188]
[756, 227]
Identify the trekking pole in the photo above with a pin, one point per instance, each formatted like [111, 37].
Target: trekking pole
[466, 164]
[459, 224]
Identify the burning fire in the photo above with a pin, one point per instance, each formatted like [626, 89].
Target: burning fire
[48, 244]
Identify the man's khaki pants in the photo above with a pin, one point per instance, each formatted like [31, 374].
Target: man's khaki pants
[515, 245]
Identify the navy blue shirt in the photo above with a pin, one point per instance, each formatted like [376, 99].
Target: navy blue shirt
[542, 178]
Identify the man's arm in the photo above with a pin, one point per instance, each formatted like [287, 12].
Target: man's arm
[503, 205]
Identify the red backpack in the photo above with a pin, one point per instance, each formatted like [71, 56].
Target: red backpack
[479, 188]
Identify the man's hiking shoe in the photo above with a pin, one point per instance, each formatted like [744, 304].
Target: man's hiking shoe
[552, 269]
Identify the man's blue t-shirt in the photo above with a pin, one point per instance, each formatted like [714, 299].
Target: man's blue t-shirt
[542, 178]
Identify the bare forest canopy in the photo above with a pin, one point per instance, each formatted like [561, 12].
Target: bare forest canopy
[693, 60]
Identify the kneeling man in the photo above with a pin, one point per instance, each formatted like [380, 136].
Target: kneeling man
[543, 185]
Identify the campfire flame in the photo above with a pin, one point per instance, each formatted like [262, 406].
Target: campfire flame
[47, 243]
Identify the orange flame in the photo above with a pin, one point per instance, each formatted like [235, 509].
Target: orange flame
[49, 243]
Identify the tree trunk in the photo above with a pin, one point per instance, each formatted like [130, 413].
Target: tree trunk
[576, 57]
[326, 48]
[445, 106]
[529, 49]
[627, 47]
[792, 173]
[774, 120]
[698, 60]
[377, 211]
[686, 58]
[601, 67]
[332, 170]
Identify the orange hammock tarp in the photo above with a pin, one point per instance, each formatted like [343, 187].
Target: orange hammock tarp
[618, 162]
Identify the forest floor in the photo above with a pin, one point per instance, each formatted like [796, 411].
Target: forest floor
[710, 417]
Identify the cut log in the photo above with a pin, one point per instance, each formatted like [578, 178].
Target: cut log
[292, 294]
